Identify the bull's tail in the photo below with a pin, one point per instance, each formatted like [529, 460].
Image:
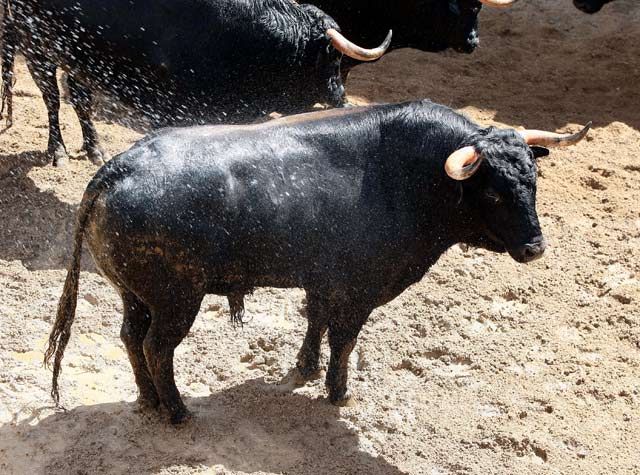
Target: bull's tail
[61, 331]
[9, 47]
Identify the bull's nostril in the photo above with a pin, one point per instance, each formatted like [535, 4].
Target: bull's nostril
[533, 250]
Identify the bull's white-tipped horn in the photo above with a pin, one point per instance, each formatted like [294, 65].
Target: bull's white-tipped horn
[550, 139]
[498, 3]
[354, 51]
[463, 163]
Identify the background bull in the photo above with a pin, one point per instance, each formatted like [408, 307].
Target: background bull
[429, 25]
[353, 205]
[177, 61]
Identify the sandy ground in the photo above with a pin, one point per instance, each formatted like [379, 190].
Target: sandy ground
[484, 367]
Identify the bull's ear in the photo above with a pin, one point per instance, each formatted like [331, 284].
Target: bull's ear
[539, 151]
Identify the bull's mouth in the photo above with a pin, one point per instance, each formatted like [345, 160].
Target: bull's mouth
[490, 243]
[522, 253]
[529, 252]
[466, 49]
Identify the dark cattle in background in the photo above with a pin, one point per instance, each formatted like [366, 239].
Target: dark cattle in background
[590, 6]
[353, 205]
[428, 25]
[177, 61]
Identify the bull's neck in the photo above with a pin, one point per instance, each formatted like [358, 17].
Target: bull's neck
[415, 149]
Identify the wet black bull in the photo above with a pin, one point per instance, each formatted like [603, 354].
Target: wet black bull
[177, 61]
[352, 205]
[428, 25]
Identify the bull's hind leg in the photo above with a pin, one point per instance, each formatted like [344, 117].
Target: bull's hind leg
[308, 360]
[44, 75]
[135, 325]
[82, 101]
[170, 323]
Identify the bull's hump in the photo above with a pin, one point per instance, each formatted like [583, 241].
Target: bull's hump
[308, 118]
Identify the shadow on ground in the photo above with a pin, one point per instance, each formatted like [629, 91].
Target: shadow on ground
[36, 225]
[252, 427]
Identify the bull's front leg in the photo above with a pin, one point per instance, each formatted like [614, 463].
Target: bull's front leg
[344, 327]
[308, 360]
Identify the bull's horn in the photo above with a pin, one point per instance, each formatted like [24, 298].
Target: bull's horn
[463, 163]
[498, 3]
[550, 139]
[354, 51]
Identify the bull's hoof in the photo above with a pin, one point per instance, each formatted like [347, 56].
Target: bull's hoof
[346, 400]
[180, 417]
[59, 156]
[97, 156]
[146, 403]
[300, 376]
[340, 397]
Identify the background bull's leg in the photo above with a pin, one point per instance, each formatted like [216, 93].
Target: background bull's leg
[344, 326]
[170, 323]
[135, 325]
[308, 360]
[82, 101]
[44, 75]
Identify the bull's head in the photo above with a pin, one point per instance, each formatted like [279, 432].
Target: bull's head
[435, 25]
[590, 6]
[498, 174]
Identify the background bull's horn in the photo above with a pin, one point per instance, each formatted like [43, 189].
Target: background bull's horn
[498, 3]
[354, 51]
[550, 139]
[463, 163]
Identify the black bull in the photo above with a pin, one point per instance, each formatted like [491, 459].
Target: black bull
[176, 62]
[429, 25]
[353, 205]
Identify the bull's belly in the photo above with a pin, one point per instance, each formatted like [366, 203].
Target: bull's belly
[153, 268]
[149, 265]
[137, 253]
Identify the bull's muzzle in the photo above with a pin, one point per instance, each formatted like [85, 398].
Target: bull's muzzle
[531, 251]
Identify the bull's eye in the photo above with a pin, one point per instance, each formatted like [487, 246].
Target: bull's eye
[493, 196]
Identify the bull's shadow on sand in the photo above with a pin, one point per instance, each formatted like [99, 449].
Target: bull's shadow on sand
[247, 428]
[36, 226]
